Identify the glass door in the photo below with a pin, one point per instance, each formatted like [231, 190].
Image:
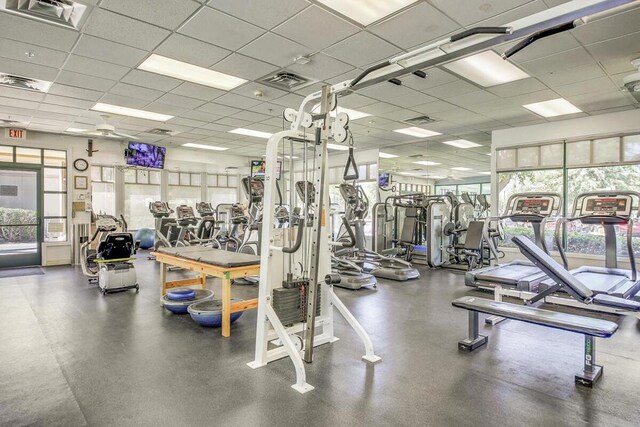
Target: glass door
[20, 213]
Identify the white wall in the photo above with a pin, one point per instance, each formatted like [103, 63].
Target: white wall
[110, 153]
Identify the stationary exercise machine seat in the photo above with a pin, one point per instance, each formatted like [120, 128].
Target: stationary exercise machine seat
[566, 280]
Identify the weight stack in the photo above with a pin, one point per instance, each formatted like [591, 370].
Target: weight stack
[291, 304]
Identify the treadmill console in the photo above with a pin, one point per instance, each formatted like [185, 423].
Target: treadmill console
[607, 206]
[184, 211]
[257, 189]
[538, 206]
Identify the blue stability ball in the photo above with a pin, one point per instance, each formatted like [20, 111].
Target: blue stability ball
[146, 236]
[209, 313]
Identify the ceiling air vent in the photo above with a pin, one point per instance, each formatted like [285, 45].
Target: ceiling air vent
[286, 80]
[67, 13]
[162, 132]
[18, 82]
[421, 120]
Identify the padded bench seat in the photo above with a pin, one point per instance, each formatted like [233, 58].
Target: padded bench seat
[587, 326]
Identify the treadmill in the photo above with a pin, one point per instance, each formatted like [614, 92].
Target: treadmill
[607, 209]
[533, 208]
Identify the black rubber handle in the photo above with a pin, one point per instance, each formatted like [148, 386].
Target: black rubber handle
[298, 241]
[537, 36]
[480, 30]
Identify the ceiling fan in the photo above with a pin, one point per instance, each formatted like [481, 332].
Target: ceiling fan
[103, 129]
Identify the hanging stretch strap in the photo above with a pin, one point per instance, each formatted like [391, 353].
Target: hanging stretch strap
[353, 174]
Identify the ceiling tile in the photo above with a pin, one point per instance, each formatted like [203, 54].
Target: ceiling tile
[472, 98]
[124, 101]
[93, 67]
[27, 95]
[28, 69]
[250, 116]
[519, 87]
[68, 102]
[244, 67]
[201, 115]
[600, 84]
[425, 21]
[269, 109]
[217, 109]
[607, 28]
[83, 81]
[600, 101]
[125, 89]
[42, 56]
[541, 48]
[385, 91]
[197, 53]
[557, 62]
[237, 101]
[316, 28]
[475, 10]
[290, 100]
[111, 26]
[274, 49]
[378, 108]
[74, 92]
[354, 100]
[218, 28]
[411, 99]
[187, 122]
[29, 31]
[616, 55]
[105, 50]
[197, 91]
[449, 90]
[18, 103]
[321, 67]
[571, 75]
[267, 92]
[263, 13]
[180, 101]
[362, 49]
[162, 108]
[163, 13]
[151, 80]
[434, 107]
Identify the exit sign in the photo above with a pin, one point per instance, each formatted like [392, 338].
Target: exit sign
[13, 133]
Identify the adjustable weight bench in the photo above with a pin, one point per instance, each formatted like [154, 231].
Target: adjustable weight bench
[589, 327]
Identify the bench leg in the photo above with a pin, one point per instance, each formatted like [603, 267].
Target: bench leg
[475, 340]
[591, 372]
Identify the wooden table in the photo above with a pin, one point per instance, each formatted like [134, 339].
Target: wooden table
[210, 262]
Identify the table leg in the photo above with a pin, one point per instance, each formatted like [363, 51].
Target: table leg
[163, 278]
[203, 280]
[226, 305]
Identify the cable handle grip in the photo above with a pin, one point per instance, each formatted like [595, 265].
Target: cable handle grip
[298, 242]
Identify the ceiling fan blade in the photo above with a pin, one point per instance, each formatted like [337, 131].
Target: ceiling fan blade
[124, 135]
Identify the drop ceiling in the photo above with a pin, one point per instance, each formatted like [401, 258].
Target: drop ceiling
[254, 38]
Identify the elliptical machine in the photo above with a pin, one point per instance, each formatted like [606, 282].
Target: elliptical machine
[231, 229]
[352, 275]
[379, 265]
[109, 265]
[164, 226]
[254, 190]
[208, 226]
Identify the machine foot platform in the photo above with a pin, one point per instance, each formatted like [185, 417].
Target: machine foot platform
[302, 389]
[255, 365]
[468, 344]
[372, 359]
[589, 378]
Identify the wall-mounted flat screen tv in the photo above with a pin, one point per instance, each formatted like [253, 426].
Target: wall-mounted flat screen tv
[146, 155]
[384, 179]
[258, 169]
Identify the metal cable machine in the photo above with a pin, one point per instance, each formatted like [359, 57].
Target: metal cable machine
[303, 271]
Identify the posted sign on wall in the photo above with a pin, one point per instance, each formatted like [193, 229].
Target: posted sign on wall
[15, 133]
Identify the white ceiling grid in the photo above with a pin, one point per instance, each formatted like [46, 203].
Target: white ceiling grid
[254, 38]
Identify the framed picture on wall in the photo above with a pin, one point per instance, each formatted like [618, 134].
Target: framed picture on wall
[80, 183]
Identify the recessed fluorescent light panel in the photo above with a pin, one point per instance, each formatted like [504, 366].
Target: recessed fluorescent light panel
[337, 147]
[131, 112]
[386, 155]
[417, 132]
[366, 11]
[426, 163]
[77, 130]
[553, 108]
[204, 147]
[461, 143]
[189, 72]
[251, 132]
[460, 168]
[486, 69]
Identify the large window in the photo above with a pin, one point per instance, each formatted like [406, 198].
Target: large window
[184, 189]
[611, 163]
[222, 189]
[103, 192]
[54, 185]
[141, 187]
